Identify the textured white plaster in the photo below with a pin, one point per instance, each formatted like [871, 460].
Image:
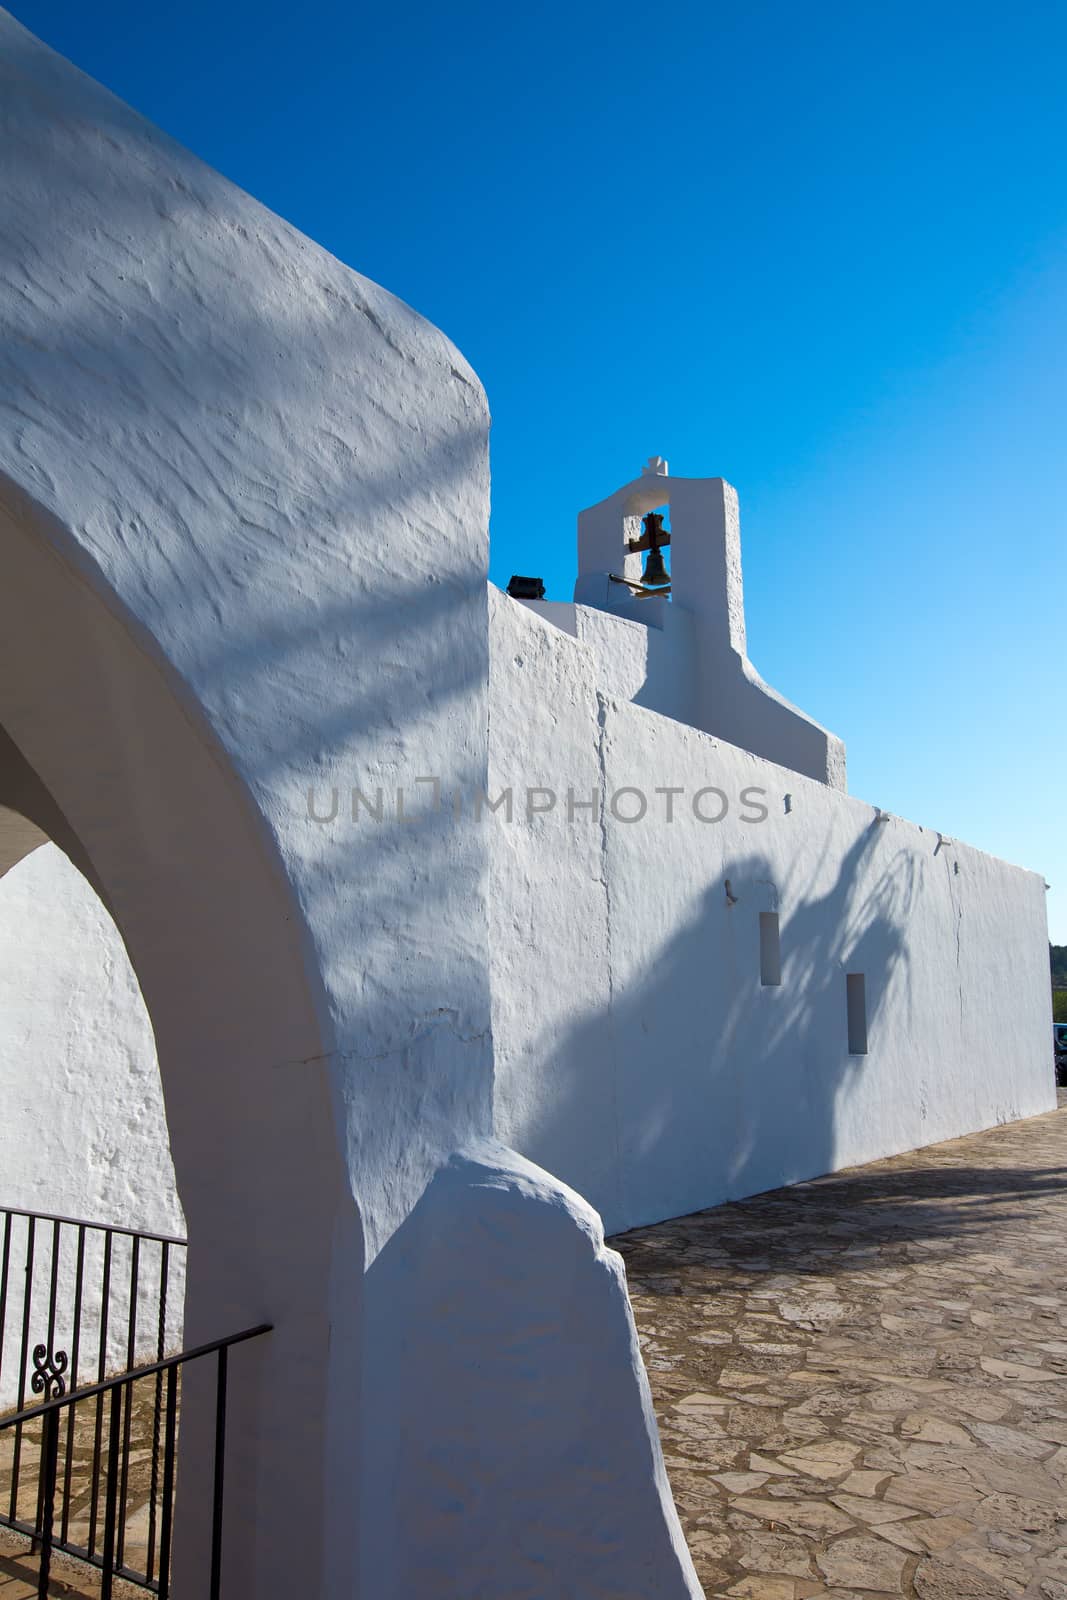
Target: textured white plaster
[645, 650]
[244, 532]
[637, 1054]
[84, 1131]
[517, 1328]
[549, 902]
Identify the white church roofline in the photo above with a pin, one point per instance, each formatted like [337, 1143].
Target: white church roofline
[689, 660]
[573, 620]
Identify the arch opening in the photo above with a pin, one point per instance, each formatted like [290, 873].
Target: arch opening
[109, 758]
[83, 1133]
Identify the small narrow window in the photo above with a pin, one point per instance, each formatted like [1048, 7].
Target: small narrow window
[856, 996]
[770, 950]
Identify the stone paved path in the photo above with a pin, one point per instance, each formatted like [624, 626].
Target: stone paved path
[71, 1580]
[861, 1382]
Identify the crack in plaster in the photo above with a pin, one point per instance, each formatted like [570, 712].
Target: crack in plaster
[421, 1027]
[602, 718]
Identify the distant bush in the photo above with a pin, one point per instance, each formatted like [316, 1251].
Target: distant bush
[1059, 1005]
[1057, 960]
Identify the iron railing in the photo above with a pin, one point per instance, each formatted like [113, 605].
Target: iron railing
[86, 1299]
[109, 1542]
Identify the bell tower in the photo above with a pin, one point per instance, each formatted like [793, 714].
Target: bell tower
[621, 571]
[704, 542]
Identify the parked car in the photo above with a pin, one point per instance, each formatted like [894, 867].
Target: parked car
[1059, 1044]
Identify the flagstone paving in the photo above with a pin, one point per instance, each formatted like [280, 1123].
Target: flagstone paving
[861, 1382]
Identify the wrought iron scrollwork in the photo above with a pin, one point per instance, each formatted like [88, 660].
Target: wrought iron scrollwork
[48, 1370]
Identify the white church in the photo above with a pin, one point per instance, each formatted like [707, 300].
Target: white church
[392, 938]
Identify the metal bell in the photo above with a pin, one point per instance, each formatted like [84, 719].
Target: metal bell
[655, 575]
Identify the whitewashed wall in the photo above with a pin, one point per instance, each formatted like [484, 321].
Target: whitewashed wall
[244, 505]
[210, 432]
[83, 1132]
[637, 1054]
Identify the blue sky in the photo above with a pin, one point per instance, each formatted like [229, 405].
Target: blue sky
[819, 250]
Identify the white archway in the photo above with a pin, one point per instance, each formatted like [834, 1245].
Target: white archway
[244, 546]
[187, 872]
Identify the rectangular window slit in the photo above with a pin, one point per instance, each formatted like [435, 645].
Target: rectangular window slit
[856, 996]
[770, 950]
